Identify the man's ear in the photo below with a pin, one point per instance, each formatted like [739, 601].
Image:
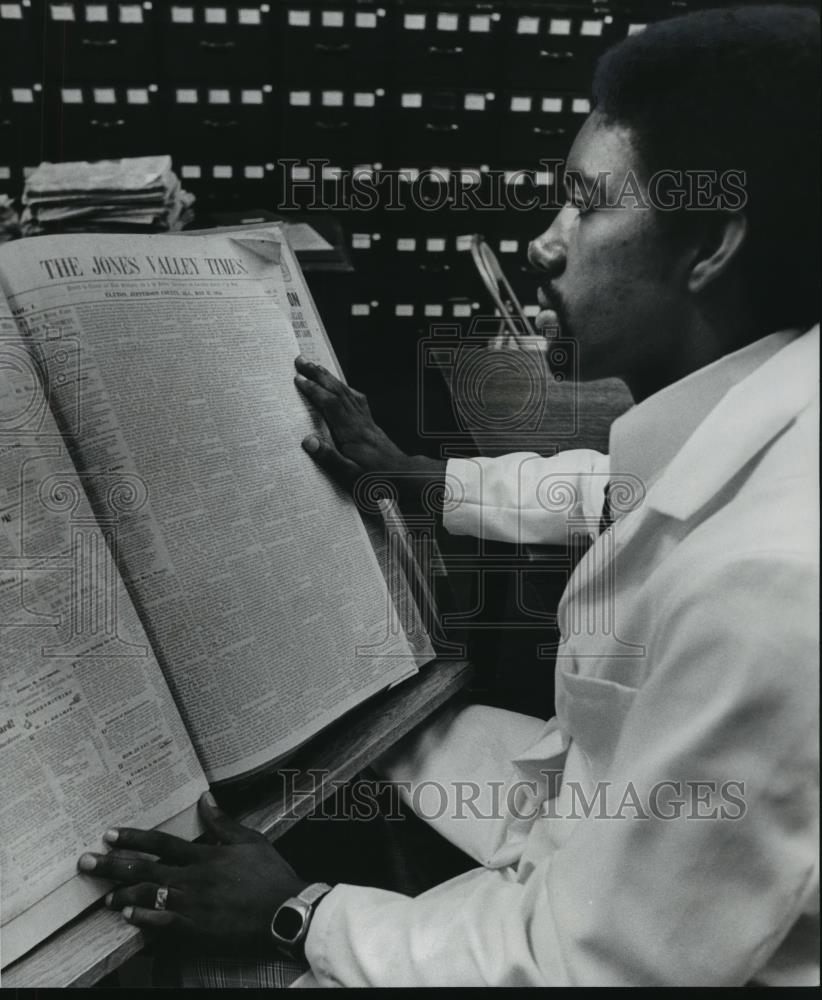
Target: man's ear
[722, 239]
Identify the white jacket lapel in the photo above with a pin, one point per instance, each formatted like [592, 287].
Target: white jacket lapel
[748, 417]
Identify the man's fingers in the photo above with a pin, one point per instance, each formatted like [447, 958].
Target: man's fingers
[327, 457]
[171, 849]
[324, 400]
[119, 868]
[222, 827]
[319, 375]
[144, 894]
[140, 916]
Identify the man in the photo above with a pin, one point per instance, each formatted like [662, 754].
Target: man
[662, 829]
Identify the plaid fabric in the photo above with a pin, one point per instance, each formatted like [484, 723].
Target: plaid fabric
[227, 973]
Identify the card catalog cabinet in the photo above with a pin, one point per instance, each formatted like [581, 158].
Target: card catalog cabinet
[318, 121]
[202, 119]
[21, 108]
[207, 41]
[18, 34]
[104, 120]
[335, 43]
[106, 41]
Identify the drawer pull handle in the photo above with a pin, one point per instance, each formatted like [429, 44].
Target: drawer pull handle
[217, 46]
[445, 127]
[546, 54]
[330, 126]
[211, 123]
[100, 43]
[539, 130]
[439, 50]
[328, 47]
[107, 123]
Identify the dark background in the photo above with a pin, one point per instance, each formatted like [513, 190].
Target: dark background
[69, 87]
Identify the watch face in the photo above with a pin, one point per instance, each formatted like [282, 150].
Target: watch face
[288, 923]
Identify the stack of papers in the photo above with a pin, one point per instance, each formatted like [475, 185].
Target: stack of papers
[9, 220]
[140, 194]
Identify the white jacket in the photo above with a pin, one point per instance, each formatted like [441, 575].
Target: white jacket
[688, 673]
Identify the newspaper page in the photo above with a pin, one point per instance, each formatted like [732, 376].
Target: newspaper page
[400, 558]
[89, 734]
[251, 571]
[405, 561]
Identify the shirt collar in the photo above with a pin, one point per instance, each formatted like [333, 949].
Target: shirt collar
[644, 440]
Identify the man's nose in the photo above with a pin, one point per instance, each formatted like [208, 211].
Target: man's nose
[547, 252]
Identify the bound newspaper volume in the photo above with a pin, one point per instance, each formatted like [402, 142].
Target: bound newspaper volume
[184, 596]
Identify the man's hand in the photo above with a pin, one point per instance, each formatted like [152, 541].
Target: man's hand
[359, 446]
[220, 896]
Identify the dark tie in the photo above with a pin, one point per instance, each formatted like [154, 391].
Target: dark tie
[607, 518]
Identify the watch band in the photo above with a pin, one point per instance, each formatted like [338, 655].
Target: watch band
[290, 923]
[313, 893]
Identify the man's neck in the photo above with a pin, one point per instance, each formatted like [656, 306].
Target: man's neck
[705, 338]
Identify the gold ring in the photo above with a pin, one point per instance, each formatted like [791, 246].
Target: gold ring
[161, 899]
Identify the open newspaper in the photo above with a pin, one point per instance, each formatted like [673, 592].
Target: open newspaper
[184, 596]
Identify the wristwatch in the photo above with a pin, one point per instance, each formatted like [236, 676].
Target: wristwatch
[289, 925]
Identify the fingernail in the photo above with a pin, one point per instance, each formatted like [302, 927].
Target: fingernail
[300, 359]
[109, 899]
[311, 444]
[111, 836]
[210, 800]
[87, 863]
[128, 912]
[300, 379]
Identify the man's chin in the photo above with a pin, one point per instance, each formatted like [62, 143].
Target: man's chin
[546, 323]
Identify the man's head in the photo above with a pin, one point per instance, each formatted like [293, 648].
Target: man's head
[650, 293]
